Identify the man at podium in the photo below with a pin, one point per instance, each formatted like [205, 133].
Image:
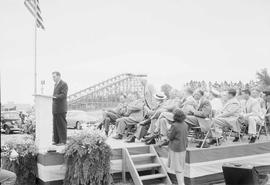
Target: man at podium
[59, 110]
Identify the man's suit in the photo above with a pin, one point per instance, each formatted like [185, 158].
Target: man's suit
[134, 115]
[199, 117]
[228, 117]
[252, 111]
[189, 105]
[59, 110]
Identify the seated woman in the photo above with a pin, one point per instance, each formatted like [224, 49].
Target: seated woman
[111, 115]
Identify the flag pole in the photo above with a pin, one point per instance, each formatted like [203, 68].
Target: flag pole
[35, 51]
[33, 7]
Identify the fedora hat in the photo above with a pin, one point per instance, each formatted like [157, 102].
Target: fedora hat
[160, 96]
[215, 92]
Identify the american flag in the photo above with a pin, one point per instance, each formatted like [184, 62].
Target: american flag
[33, 7]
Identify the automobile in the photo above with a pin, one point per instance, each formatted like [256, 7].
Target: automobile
[78, 118]
[11, 122]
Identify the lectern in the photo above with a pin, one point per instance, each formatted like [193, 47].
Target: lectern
[51, 165]
[44, 122]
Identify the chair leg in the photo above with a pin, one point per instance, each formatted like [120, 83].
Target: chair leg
[259, 131]
[230, 133]
[204, 140]
[266, 131]
[217, 142]
[239, 135]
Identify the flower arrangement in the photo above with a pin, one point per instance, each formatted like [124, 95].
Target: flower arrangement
[30, 128]
[20, 156]
[88, 159]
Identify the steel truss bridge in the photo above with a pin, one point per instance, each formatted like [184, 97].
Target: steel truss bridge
[106, 94]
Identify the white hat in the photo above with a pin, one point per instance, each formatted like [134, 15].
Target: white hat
[215, 92]
[160, 96]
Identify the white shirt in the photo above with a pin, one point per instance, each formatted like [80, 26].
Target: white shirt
[216, 104]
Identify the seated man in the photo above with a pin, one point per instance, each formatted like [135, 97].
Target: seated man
[7, 177]
[216, 101]
[148, 93]
[204, 110]
[162, 116]
[228, 116]
[111, 115]
[133, 116]
[165, 119]
[252, 114]
[256, 94]
[152, 115]
[188, 104]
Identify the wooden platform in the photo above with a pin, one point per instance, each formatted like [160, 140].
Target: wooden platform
[203, 166]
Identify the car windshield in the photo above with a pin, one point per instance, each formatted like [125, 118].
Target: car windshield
[11, 115]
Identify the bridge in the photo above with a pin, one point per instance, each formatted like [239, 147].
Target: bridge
[106, 94]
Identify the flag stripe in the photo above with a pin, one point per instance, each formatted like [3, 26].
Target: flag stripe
[35, 11]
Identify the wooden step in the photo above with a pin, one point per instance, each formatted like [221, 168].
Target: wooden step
[142, 155]
[153, 176]
[146, 166]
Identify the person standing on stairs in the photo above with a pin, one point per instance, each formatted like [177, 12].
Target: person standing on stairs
[177, 136]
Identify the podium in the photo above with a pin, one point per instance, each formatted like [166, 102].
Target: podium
[44, 122]
[51, 166]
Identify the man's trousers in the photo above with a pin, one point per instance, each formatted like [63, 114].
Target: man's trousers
[59, 128]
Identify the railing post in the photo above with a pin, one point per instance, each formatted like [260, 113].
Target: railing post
[124, 165]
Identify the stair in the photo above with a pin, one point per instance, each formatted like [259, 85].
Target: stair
[154, 176]
[140, 156]
[145, 166]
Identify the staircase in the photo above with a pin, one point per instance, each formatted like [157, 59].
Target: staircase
[145, 166]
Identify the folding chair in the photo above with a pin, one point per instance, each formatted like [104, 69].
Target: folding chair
[263, 126]
[200, 134]
[227, 131]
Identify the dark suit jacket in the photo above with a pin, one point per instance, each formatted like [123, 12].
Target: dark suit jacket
[177, 135]
[60, 100]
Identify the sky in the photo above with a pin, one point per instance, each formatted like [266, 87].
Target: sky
[172, 41]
